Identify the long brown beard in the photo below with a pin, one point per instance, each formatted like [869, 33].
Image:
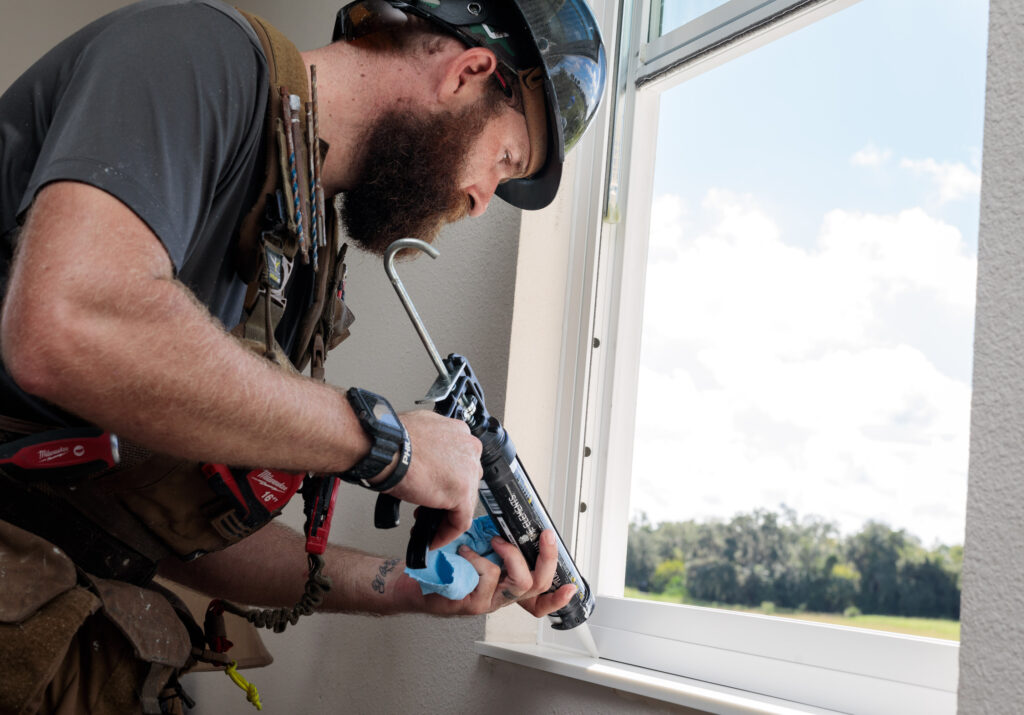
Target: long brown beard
[408, 183]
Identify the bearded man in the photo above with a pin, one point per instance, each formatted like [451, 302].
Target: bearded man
[131, 156]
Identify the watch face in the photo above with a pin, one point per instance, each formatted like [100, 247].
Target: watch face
[383, 413]
[374, 407]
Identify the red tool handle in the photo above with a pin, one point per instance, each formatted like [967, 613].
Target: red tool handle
[319, 493]
[75, 450]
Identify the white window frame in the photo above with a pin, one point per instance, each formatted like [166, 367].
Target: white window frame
[806, 667]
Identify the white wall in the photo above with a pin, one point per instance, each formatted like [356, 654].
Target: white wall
[992, 645]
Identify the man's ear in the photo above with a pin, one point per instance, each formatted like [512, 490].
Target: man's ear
[466, 74]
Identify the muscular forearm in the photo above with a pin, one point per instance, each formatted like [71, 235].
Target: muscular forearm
[133, 351]
[269, 569]
[214, 400]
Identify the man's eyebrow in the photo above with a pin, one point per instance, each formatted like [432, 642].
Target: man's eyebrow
[520, 167]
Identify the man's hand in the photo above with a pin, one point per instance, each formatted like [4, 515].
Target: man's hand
[445, 470]
[502, 585]
[269, 568]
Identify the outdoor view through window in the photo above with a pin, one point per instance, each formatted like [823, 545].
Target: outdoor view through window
[805, 380]
[675, 13]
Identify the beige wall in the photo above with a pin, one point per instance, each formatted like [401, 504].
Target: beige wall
[27, 29]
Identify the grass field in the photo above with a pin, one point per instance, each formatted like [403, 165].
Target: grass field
[926, 627]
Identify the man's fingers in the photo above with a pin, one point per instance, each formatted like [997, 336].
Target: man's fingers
[452, 525]
[489, 571]
[550, 602]
[518, 577]
[457, 522]
[447, 531]
[518, 570]
[547, 561]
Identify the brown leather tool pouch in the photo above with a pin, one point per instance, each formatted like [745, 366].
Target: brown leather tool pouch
[41, 610]
[170, 496]
[247, 651]
[70, 643]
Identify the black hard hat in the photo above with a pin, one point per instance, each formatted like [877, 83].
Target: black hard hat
[553, 47]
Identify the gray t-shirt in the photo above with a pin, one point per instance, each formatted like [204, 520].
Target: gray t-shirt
[160, 104]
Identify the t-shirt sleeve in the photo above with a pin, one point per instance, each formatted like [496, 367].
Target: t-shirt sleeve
[161, 109]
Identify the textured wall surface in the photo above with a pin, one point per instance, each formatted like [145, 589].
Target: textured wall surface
[28, 29]
[992, 649]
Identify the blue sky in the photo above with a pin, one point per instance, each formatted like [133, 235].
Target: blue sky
[904, 74]
[809, 315]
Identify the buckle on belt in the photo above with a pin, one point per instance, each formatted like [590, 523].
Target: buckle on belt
[277, 273]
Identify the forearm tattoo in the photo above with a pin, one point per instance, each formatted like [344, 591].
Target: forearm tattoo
[382, 573]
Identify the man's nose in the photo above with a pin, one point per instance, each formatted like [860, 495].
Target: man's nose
[480, 196]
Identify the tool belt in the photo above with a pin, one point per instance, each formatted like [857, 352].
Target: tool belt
[54, 617]
[121, 523]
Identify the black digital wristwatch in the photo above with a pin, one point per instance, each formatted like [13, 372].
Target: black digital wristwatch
[385, 430]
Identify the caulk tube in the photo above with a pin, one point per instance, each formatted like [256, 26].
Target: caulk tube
[513, 505]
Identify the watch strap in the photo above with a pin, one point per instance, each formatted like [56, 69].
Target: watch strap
[398, 474]
[388, 437]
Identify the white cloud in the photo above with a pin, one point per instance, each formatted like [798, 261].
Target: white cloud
[667, 221]
[954, 180]
[777, 370]
[908, 251]
[870, 155]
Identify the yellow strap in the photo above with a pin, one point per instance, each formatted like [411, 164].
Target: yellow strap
[252, 695]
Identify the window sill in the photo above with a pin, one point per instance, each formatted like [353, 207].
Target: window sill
[641, 681]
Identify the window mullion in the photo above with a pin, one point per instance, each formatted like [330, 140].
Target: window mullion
[732, 26]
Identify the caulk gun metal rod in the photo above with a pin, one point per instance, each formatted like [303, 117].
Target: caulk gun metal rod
[389, 268]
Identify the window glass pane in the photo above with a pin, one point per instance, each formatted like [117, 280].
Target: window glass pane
[667, 15]
[803, 403]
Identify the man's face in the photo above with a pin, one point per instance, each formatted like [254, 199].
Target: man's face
[501, 152]
[420, 173]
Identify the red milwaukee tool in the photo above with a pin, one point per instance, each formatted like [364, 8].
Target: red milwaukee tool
[319, 493]
[258, 495]
[72, 452]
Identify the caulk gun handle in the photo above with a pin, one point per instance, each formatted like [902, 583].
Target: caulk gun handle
[428, 521]
[385, 512]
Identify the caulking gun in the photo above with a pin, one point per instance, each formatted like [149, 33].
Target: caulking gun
[506, 491]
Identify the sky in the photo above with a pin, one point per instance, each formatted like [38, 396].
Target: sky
[808, 319]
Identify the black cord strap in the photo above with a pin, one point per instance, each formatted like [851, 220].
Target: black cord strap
[317, 586]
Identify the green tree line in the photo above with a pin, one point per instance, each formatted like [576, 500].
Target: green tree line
[803, 564]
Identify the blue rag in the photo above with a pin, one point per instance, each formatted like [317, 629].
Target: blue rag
[449, 574]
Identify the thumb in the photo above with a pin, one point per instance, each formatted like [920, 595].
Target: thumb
[452, 527]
